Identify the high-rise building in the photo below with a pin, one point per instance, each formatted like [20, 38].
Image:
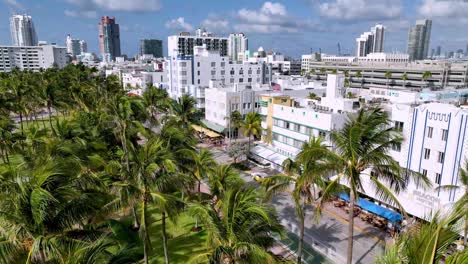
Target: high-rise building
[182, 45]
[438, 51]
[466, 50]
[109, 38]
[83, 46]
[418, 39]
[238, 43]
[151, 46]
[432, 53]
[22, 31]
[73, 46]
[371, 41]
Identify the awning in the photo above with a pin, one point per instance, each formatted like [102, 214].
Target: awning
[268, 154]
[213, 126]
[374, 208]
[206, 131]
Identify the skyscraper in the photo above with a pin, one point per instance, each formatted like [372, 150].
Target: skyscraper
[371, 41]
[73, 46]
[238, 43]
[418, 39]
[22, 31]
[151, 46]
[438, 51]
[109, 38]
[83, 46]
[466, 50]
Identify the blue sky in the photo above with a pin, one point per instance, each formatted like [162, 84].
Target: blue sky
[292, 27]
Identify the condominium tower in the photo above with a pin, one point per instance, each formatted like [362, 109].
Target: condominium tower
[109, 38]
[22, 31]
[238, 43]
[418, 39]
[182, 45]
[151, 46]
[371, 41]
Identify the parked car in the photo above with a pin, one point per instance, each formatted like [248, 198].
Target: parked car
[259, 176]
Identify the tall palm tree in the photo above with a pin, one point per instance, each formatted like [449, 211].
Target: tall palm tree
[462, 203]
[222, 178]
[404, 78]
[307, 173]
[426, 76]
[430, 244]
[359, 75]
[363, 145]
[240, 231]
[203, 163]
[236, 120]
[156, 101]
[388, 76]
[252, 125]
[185, 111]
[151, 164]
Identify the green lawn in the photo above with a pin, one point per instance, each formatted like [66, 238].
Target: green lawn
[183, 244]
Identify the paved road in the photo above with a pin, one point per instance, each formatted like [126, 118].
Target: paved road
[329, 236]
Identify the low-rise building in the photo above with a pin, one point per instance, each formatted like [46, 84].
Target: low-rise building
[32, 58]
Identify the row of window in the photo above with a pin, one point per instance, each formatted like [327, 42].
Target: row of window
[440, 157]
[438, 176]
[444, 134]
[298, 128]
[288, 140]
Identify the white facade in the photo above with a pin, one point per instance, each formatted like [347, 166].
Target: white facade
[238, 43]
[83, 47]
[22, 31]
[184, 43]
[191, 75]
[385, 57]
[31, 58]
[372, 41]
[307, 59]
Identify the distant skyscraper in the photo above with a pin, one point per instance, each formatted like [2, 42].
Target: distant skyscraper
[418, 39]
[238, 43]
[151, 46]
[371, 41]
[22, 31]
[83, 46]
[466, 50]
[73, 46]
[109, 38]
[438, 51]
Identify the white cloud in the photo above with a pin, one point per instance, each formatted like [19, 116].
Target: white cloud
[85, 14]
[270, 18]
[119, 5]
[360, 9]
[179, 24]
[216, 24]
[444, 9]
[14, 4]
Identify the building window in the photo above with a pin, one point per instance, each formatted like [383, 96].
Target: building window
[183, 73]
[241, 80]
[223, 72]
[399, 126]
[424, 173]
[183, 64]
[322, 134]
[441, 157]
[396, 147]
[213, 64]
[444, 134]
[198, 73]
[232, 72]
[438, 178]
[198, 64]
[427, 153]
[430, 130]
[249, 80]
[286, 125]
[222, 64]
[198, 81]
[232, 80]
[213, 72]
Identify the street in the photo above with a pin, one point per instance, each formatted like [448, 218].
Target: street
[330, 235]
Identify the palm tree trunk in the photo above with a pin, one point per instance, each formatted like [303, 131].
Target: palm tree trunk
[144, 229]
[3, 155]
[136, 223]
[301, 237]
[21, 122]
[50, 115]
[351, 227]
[164, 236]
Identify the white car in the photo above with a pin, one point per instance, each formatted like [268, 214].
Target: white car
[259, 176]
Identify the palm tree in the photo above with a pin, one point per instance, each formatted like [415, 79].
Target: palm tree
[359, 75]
[203, 163]
[404, 78]
[240, 231]
[236, 121]
[252, 125]
[334, 71]
[308, 172]
[462, 203]
[156, 101]
[222, 178]
[151, 164]
[312, 72]
[388, 75]
[185, 111]
[363, 145]
[426, 76]
[323, 71]
[430, 244]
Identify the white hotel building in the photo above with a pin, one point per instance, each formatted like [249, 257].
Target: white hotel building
[32, 58]
[433, 126]
[192, 74]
